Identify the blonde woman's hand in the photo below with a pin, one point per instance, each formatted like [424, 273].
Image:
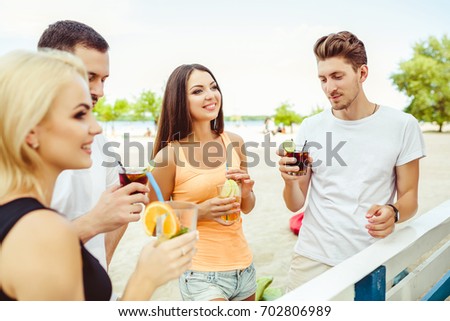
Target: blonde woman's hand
[159, 263]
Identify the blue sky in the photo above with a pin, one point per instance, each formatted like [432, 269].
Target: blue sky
[260, 51]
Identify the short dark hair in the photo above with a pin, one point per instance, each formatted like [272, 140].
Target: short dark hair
[342, 44]
[67, 34]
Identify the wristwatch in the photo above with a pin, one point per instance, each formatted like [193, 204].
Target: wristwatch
[397, 214]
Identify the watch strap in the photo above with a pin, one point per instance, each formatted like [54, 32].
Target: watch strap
[397, 214]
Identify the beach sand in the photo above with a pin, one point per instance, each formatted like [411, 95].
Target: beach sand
[267, 226]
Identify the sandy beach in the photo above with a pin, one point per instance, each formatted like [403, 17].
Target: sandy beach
[267, 226]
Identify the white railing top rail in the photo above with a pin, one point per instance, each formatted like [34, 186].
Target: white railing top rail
[338, 282]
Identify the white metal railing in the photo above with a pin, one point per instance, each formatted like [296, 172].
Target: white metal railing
[401, 249]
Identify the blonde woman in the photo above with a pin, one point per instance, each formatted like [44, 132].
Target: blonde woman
[46, 126]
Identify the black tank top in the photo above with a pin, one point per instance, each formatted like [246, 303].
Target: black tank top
[97, 285]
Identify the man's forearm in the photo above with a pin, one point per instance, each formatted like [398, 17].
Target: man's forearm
[85, 228]
[293, 196]
[407, 205]
[407, 189]
[112, 240]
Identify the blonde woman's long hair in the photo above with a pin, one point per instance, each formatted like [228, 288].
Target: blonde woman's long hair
[29, 83]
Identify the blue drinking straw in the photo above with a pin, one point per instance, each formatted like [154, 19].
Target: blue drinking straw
[155, 186]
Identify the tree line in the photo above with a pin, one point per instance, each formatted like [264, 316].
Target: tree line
[146, 107]
[424, 78]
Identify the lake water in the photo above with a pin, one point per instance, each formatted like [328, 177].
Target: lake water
[139, 128]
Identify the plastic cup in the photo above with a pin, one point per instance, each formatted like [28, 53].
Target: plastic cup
[132, 174]
[302, 162]
[186, 215]
[225, 191]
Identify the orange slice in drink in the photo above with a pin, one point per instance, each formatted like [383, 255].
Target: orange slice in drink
[171, 224]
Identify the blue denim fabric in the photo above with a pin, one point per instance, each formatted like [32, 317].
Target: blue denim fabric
[232, 285]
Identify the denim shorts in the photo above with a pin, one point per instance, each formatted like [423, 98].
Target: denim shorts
[234, 285]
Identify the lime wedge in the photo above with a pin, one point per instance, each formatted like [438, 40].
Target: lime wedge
[226, 190]
[234, 189]
[230, 189]
[288, 146]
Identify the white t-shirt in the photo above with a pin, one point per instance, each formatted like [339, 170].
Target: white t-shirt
[354, 168]
[78, 191]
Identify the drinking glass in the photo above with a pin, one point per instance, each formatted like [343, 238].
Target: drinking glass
[185, 220]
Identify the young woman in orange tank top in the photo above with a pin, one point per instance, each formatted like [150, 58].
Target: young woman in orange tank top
[193, 155]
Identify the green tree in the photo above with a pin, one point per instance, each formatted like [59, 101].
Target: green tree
[120, 108]
[103, 112]
[425, 78]
[109, 113]
[147, 103]
[285, 114]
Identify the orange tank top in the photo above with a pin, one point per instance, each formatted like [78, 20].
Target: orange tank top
[220, 247]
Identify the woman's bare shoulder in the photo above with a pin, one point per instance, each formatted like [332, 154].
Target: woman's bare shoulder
[235, 137]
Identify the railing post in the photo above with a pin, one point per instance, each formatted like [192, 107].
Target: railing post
[373, 286]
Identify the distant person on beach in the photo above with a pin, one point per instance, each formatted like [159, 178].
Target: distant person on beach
[365, 171]
[148, 133]
[269, 126]
[193, 156]
[45, 102]
[92, 198]
[266, 125]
